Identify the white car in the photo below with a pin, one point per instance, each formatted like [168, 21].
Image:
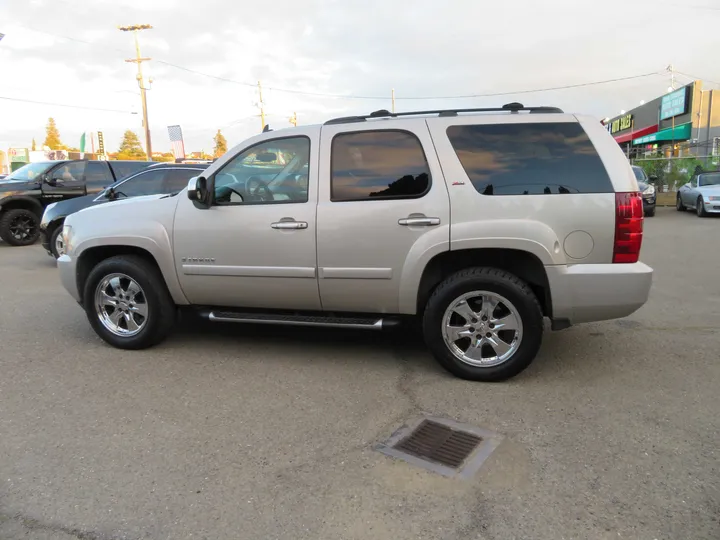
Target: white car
[701, 194]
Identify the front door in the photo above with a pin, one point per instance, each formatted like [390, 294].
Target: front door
[65, 180]
[383, 213]
[255, 246]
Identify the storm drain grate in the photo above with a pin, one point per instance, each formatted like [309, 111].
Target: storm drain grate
[440, 444]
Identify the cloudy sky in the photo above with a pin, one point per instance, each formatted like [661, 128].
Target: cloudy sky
[313, 56]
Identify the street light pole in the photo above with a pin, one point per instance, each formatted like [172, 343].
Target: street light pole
[141, 83]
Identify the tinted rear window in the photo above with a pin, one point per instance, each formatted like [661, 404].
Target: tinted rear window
[529, 159]
[126, 168]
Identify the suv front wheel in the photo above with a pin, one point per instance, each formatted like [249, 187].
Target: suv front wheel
[127, 302]
[483, 324]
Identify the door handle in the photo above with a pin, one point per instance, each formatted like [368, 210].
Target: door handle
[419, 221]
[285, 225]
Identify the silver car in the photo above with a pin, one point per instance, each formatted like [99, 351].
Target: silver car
[701, 194]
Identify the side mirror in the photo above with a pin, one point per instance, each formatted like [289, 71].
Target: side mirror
[47, 179]
[198, 192]
[653, 178]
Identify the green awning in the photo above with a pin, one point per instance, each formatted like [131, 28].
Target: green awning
[680, 133]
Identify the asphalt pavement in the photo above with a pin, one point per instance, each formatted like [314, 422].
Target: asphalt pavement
[242, 432]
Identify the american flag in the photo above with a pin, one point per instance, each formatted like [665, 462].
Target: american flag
[176, 140]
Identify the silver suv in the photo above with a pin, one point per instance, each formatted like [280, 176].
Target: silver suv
[478, 222]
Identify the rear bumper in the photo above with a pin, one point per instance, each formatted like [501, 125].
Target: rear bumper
[66, 269]
[598, 292]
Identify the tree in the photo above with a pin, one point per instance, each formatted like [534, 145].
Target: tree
[130, 147]
[166, 157]
[52, 136]
[220, 144]
[34, 145]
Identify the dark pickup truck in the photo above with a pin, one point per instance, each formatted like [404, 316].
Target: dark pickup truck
[25, 193]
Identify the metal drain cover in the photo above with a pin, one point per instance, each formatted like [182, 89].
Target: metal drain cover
[441, 445]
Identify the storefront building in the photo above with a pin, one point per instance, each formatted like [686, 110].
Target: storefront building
[683, 122]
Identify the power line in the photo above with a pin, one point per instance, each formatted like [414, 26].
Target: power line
[693, 77]
[66, 105]
[383, 98]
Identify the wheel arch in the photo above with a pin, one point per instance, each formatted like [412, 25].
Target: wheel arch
[22, 203]
[91, 256]
[525, 265]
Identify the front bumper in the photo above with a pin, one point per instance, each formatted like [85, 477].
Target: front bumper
[649, 202]
[712, 207]
[598, 292]
[68, 277]
[45, 240]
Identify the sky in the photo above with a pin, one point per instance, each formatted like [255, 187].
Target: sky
[325, 58]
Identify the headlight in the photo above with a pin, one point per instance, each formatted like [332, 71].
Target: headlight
[650, 190]
[67, 234]
[713, 198]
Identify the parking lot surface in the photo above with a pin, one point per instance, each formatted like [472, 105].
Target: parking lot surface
[243, 432]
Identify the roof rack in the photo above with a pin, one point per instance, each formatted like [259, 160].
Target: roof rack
[514, 108]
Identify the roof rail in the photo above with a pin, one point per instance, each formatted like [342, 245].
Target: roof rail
[514, 108]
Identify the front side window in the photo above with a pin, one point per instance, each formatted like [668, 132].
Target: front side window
[177, 179]
[375, 165]
[271, 172]
[73, 171]
[709, 179]
[529, 159]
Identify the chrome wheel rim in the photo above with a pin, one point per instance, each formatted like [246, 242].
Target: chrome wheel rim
[482, 329]
[121, 305]
[59, 245]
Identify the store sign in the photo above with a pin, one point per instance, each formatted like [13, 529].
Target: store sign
[18, 155]
[101, 143]
[674, 104]
[619, 124]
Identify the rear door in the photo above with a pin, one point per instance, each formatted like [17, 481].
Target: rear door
[383, 210]
[97, 176]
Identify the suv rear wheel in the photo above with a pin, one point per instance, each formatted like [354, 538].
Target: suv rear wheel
[19, 227]
[483, 324]
[127, 302]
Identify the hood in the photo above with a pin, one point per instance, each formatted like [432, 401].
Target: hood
[122, 202]
[62, 209]
[715, 190]
[18, 185]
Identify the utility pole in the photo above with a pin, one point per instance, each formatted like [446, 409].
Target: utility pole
[393, 100]
[293, 119]
[261, 104]
[141, 83]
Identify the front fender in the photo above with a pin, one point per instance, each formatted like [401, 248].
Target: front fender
[154, 240]
[20, 201]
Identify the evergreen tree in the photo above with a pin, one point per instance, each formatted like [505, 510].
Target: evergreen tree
[130, 147]
[220, 144]
[52, 136]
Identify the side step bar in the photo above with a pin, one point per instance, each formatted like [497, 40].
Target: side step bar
[369, 323]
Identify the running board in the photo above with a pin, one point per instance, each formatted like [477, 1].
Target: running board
[369, 323]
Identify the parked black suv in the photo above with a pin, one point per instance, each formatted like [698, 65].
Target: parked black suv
[26, 192]
[159, 178]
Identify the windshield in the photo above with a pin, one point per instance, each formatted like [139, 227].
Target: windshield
[710, 179]
[29, 172]
[639, 174]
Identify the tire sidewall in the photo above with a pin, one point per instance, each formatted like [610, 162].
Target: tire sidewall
[157, 304]
[525, 303]
[700, 207]
[679, 205]
[5, 220]
[53, 238]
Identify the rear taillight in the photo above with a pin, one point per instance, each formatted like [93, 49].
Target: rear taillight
[628, 227]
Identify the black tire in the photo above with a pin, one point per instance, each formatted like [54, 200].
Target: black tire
[10, 220]
[491, 280]
[700, 207]
[679, 206]
[57, 231]
[161, 308]
[650, 213]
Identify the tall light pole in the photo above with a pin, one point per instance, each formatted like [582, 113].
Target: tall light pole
[141, 83]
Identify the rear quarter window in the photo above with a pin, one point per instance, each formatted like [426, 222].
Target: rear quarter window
[529, 159]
